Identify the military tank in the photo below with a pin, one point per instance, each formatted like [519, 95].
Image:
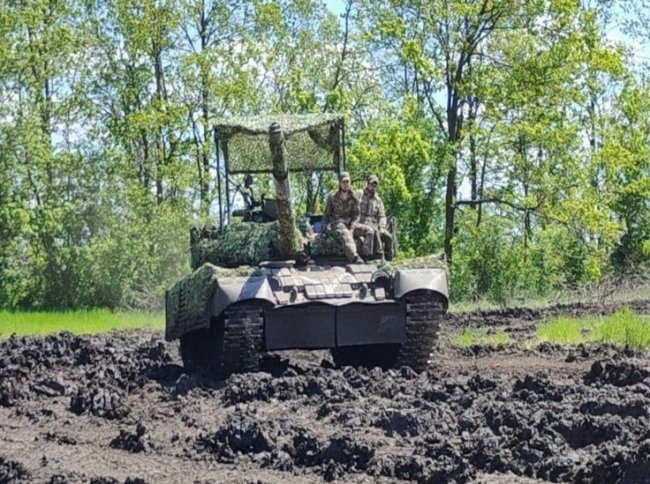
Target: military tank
[232, 309]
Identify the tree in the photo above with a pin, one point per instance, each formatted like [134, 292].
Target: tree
[434, 45]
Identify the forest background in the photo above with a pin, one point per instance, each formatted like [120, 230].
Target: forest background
[514, 135]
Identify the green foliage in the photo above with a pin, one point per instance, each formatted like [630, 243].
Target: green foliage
[498, 264]
[631, 178]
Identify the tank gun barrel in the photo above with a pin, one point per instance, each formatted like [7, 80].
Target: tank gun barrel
[286, 217]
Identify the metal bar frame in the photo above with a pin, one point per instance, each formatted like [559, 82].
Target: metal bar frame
[216, 149]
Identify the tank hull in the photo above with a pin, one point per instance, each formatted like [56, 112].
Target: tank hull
[356, 306]
[341, 299]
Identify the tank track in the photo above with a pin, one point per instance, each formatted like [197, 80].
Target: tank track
[243, 338]
[423, 316]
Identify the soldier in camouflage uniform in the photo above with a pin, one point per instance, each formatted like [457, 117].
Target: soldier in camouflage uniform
[341, 216]
[373, 214]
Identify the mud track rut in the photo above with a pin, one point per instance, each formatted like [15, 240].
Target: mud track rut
[119, 408]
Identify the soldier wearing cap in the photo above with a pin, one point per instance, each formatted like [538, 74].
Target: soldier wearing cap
[342, 215]
[373, 214]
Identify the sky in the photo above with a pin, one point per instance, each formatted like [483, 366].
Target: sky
[336, 6]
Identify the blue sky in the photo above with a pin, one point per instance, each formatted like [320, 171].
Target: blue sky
[336, 6]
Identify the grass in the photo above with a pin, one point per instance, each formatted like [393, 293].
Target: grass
[79, 322]
[565, 331]
[481, 336]
[622, 328]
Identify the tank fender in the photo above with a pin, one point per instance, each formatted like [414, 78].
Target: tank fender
[236, 289]
[191, 302]
[408, 280]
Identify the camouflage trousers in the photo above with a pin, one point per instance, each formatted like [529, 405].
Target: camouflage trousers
[346, 236]
[369, 242]
[378, 244]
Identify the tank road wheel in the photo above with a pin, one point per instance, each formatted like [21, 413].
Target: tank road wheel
[424, 310]
[232, 344]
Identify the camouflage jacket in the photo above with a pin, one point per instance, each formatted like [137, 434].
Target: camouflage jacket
[372, 210]
[338, 210]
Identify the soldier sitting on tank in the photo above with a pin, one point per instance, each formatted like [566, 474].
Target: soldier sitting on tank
[341, 218]
[373, 214]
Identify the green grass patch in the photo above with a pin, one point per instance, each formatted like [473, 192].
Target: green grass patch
[622, 328]
[79, 322]
[480, 336]
[565, 331]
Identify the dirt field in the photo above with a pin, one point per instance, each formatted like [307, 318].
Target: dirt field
[120, 409]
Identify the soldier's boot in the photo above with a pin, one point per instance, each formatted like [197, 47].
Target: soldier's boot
[388, 247]
[358, 260]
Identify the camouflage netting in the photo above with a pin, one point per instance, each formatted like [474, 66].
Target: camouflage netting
[291, 123]
[188, 301]
[310, 141]
[327, 244]
[241, 244]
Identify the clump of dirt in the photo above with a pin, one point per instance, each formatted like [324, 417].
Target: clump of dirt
[134, 442]
[537, 387]
[99, 401]
[458, 426]
[619, 374]
[12, 471]
[60, 439]
[8, 394]
[240, 435]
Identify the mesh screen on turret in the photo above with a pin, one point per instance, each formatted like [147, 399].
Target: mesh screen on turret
[310, 140]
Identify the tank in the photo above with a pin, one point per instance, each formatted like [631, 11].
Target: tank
[256, 288]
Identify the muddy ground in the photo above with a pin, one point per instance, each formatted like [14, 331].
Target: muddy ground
[120, 409]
